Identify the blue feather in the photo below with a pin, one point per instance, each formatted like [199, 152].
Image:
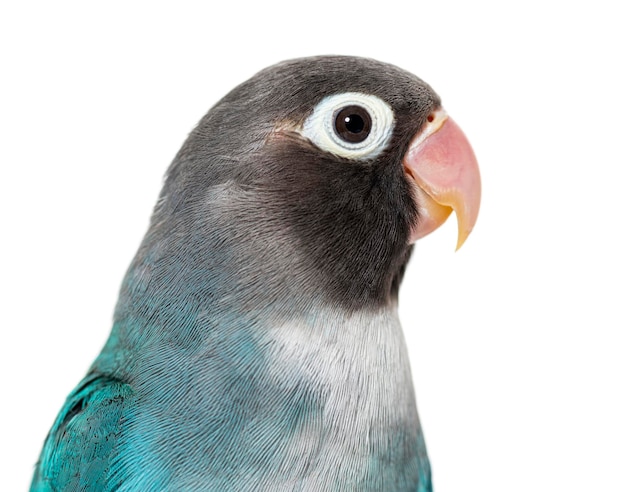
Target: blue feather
[80, 450]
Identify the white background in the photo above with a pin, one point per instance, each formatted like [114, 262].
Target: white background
[517, 341]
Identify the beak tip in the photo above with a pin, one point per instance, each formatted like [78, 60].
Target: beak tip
[462, 236]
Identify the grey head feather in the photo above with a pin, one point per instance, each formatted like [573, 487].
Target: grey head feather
[252, 217]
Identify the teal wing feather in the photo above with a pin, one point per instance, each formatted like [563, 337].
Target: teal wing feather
[79, 452]
[425, 478]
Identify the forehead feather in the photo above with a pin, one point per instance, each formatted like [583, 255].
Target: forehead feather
[293, 87]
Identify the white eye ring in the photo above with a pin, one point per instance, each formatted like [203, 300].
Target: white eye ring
[320, 126]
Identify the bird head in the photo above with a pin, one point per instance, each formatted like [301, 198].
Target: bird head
[314, 178]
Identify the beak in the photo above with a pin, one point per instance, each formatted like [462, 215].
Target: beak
[443, 167]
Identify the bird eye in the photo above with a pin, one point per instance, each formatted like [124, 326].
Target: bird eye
[351, 125]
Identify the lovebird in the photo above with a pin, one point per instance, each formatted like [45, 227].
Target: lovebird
[256, 344]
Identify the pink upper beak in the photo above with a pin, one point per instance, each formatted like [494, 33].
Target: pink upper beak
[442, 164]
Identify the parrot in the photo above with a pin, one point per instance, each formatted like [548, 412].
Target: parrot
[256, 343]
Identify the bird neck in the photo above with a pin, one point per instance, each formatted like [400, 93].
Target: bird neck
[321, 388]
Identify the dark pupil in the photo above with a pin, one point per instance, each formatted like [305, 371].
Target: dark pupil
[353, 124]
